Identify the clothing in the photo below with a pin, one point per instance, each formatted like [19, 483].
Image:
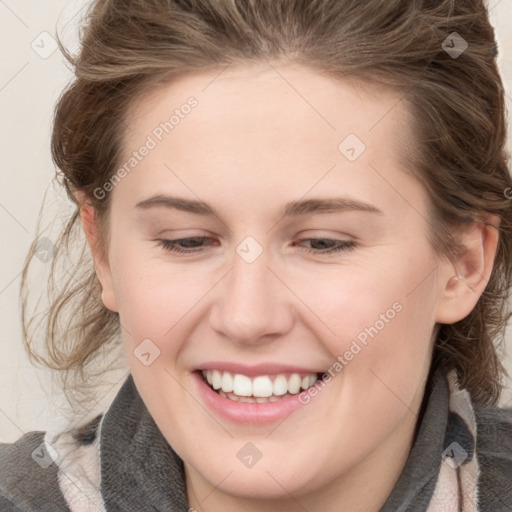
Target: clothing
[461, 460]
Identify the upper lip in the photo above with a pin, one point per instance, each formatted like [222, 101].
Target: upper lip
[255, 370]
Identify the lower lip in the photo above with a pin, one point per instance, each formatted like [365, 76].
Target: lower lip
[243, 412]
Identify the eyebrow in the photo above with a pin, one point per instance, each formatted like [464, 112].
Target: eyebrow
[293, 208]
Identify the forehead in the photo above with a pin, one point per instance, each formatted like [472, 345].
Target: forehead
[266, 126]
[272, 97]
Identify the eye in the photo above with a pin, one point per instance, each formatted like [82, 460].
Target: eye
[190, 244]
[193, 244]
[335, 245]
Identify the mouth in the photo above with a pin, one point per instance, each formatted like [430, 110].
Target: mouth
[258, 389]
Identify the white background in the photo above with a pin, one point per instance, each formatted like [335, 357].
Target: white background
[29, 87]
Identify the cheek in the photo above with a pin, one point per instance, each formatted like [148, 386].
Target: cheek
[392, 360]
[370, 304]
[383, 320]
[152, 298]
[147, 286]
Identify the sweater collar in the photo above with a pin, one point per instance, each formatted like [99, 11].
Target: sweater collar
[140, 471]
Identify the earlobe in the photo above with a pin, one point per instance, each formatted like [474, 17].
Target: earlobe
[100, 259]
[463, 282]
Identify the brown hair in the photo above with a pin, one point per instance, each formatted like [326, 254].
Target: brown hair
[456, 102]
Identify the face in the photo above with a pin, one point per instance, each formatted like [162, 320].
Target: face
[307, 255]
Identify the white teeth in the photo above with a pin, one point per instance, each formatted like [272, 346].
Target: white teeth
[216, 379]
[280, 385]
[260, 389]
[294, 383]
[242, 385]
[227, 382]
[251, 399]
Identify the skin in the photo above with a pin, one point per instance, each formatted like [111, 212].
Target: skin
[253, 143]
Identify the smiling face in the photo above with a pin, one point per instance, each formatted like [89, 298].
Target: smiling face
[254, 296]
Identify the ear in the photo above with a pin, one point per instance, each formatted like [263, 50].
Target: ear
[463, 282]
[100, 258]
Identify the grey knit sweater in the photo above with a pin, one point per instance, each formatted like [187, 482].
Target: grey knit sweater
[461, 460]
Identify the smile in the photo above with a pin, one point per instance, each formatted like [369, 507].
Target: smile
[259, 389]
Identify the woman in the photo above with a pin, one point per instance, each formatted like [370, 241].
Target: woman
[298, 220]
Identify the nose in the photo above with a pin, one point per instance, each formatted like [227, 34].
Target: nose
[252, 304]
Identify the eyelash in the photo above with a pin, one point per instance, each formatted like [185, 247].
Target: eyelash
[343, 245]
